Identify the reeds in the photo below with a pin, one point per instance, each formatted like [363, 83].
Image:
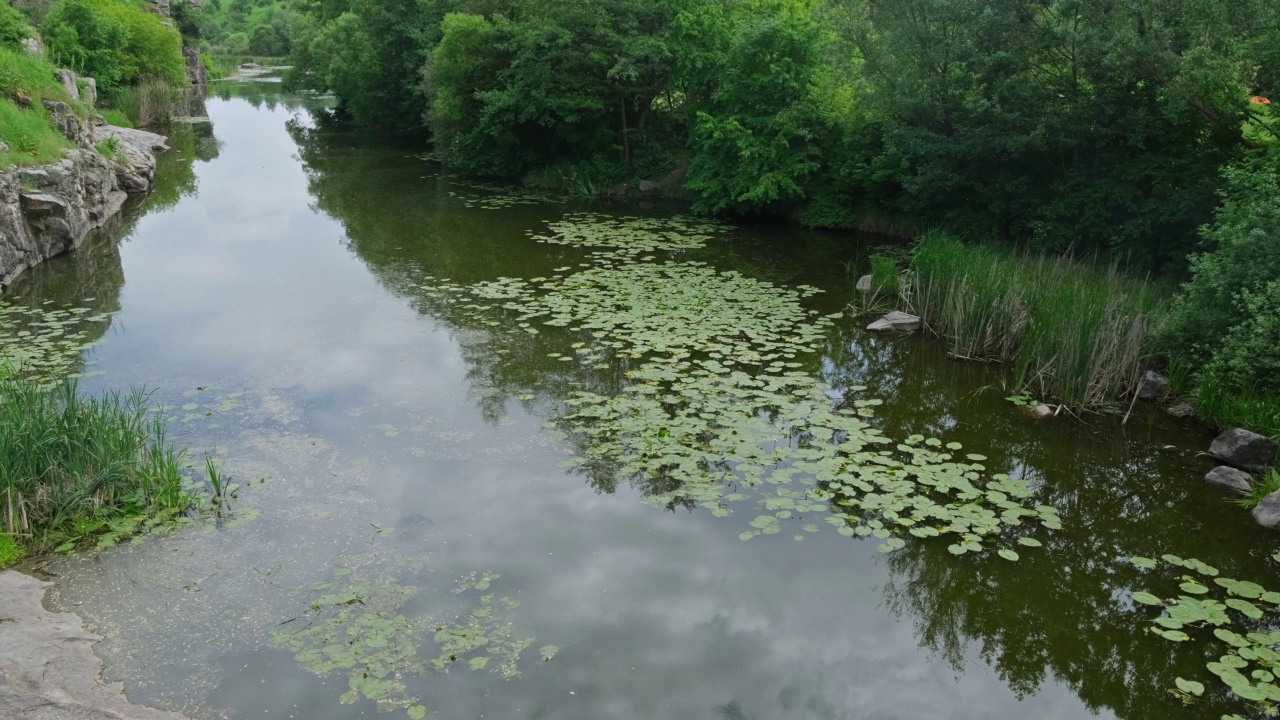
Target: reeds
[70, 463]
[1216, 403]
[1069, 330]
[152, 102]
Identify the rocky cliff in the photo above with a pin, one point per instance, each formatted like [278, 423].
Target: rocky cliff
[48, 210]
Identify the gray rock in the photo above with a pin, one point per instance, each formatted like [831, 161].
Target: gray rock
[1039, 412]
[1181, 410]
[1153, 386]
[34, 46]
[647, 187]
[89, 93]
[1229, 478]
[1267, 513]
[68, 81]
[4, 148]
[50, 209]
[896, 320]
[864, 284]
[47, 667]
[198, 79]
[1245, 450]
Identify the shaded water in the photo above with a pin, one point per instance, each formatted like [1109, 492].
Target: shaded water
[271, 294]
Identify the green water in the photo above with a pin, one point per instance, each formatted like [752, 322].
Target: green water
[279, 295]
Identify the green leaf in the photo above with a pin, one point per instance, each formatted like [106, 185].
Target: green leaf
[1143, 562]
[1174, 635]
[1147, 599]
[1194, 588]
[416, 712]
[1189, 686]
[1007, 554]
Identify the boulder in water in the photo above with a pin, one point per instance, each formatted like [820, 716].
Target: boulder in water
[896, 320]
[1244, 449]
[1229, 478]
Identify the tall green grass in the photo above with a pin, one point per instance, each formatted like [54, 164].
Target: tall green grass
[27, 131]
[1069, 330]
[1217, 403]
[72, 466]
[152, 102]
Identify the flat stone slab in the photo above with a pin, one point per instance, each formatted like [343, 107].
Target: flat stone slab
[896, 320]
[47, 667]
[1229, 478]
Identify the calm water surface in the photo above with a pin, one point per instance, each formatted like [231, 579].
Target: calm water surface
[270, 295]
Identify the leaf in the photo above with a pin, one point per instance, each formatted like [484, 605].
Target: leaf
[548, 651]
[1030, 542]
[1189, 686]
[1147, 599]
[416, 712]
[1249, 609]
[1194, 588]
[1007, 554]
[1174, 635]
[478, 663]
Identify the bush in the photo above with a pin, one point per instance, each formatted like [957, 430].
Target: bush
[13, 27]
[115, 42]
[31, 138]
[265, 40]
[237, 43]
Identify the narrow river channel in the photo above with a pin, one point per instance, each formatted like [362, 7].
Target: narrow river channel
[409, 536]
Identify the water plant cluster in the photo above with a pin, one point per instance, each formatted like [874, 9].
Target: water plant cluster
[715, 399]
[359, 628]
[45, 344]
[1231, 608]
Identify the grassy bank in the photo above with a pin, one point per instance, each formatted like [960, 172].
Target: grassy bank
[75, 467]
[1069, 331]
[220, 66]
[25, 126]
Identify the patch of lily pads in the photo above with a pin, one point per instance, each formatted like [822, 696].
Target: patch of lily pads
[633, 234]
[45, 343]
[1224, 608]
[716, 407]
[358, 629]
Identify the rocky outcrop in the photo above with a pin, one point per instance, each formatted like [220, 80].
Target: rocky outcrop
[49, 209]
[1229, 479]
[47, 667]
[198, 79]
[1245, 450]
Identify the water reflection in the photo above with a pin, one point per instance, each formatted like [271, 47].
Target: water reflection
[297, 262]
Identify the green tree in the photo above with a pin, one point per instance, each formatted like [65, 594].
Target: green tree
[13, 26]
[114, 42]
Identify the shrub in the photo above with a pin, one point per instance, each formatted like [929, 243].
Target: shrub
[152, 102]
[13, 26]
[31, 138]
[115, 42]
[237, 43]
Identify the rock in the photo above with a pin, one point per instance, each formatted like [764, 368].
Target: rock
[647, 187]
[864, 284]
[50, 209]
[1245, 450]
[198, 78]
[89, 93]
[1153, 386]
[250, 66]
[4, 148]
[896, 320]
[34, 46]
[47, 667]
[1181, 410]
[1039, 412]
[70, 124]
[68, 80]
[1229, 478]
[1267, 513]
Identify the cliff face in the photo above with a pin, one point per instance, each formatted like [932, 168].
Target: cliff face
[50, 209]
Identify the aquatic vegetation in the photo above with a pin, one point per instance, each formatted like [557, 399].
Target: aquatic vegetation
[495, 196]
[1249, 661]
[593, 230]
[45, 344]
[716, 400]
[73, 467]
[359, 630]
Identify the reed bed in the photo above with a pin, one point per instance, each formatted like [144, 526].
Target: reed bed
[152, 102]
[1069, 330]
[70, 464]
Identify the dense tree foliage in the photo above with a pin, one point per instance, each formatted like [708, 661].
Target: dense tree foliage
[13, 26]
[115, 42]
[1085, 125]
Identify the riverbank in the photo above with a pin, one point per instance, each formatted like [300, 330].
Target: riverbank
[48, 670]
[48, 210]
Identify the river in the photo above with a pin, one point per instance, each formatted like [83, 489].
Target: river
[290, 296]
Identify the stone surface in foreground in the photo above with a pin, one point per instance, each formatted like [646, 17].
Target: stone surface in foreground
[1245, 450]
[47, 667]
